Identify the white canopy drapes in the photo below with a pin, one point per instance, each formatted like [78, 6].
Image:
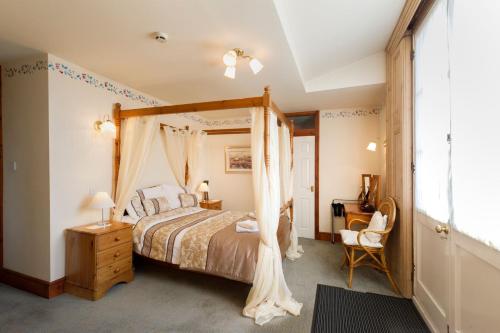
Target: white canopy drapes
[195, 143]
[269, 296]
[175, 147]
[138, 134]
[286, 175]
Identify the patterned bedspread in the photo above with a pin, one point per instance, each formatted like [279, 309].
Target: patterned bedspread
[203, 240]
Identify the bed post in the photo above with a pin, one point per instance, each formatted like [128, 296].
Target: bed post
[266, 102]
[292, 131]
[116, 150]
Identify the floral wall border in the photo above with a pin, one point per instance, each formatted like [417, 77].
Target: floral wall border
[26, 69]
[113, 87]
[343, 113]
[87, 78]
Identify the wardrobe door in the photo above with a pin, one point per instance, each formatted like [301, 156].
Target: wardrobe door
[399, 161]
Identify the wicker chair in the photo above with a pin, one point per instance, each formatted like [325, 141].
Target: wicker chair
[373, 253]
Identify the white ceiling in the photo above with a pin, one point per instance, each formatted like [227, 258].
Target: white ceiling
[301, 44]
[328, 34]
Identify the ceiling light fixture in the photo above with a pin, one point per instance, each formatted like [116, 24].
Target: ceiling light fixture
[230, 59]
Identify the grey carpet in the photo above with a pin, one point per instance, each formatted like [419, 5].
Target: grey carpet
[338, 310]
[168, 300]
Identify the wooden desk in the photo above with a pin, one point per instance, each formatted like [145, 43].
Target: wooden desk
[352, 211]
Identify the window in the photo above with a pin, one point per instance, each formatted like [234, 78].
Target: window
[475, 118]
[457, 84]
[432, 116]
[303, 122]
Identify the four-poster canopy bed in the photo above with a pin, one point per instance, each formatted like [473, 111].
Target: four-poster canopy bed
[241, 103]
[187, 240]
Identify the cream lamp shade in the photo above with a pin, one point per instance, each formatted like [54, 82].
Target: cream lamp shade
[102, 200]
[230, 72]
[372, 146]
[203, 187]
[255, 65]
[229, 58]
[108, 126]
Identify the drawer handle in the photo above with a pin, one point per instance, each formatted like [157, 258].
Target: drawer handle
[117, 239]
[117, 270]
[117, 254]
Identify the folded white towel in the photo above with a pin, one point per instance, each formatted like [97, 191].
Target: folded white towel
[247, 226]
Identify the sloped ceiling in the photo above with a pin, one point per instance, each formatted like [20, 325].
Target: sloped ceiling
[316, 54]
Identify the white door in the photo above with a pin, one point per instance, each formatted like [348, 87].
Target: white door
[432, 165]
[303, 188]
[457, 274]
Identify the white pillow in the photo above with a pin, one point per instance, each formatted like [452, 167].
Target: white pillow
[151, 192]
[378, 223]
[131, 211]
[171, 192]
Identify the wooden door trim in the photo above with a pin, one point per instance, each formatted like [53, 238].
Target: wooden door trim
[313, 132]
[1, 174]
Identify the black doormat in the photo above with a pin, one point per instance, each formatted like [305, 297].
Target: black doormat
[339, 310]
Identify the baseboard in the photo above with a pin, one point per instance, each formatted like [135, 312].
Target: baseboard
[324, 236]
[30, 284]
[424, 315]
[337, 238]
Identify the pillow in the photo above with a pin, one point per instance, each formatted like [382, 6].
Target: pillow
[151, 192]
[136, 204]
[130, 211]
[171, 192]
[155, 206]
[378, 223]
[188, 200]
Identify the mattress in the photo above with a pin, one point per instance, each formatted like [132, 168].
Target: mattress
[204, 240]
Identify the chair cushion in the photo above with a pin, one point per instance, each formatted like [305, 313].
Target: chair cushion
[350, 237]
[378, 223]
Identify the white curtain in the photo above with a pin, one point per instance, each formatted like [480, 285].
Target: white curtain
[475, 116]
[175, 147]
[286, 172]
[432, 116]
[138, 134]
[269, 296]
[195, 143]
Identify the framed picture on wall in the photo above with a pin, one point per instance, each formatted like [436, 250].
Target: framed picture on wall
[238, 159]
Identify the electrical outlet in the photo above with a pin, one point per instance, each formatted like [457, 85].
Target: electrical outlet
[14, 166]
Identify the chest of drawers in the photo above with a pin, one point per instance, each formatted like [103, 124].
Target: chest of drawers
[97, 259]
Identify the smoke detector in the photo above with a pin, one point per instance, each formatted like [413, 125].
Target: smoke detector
[160, 37]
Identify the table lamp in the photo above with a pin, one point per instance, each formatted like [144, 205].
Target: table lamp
[204, 188]
[102, 200]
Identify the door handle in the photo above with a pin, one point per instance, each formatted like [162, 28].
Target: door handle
[442, 228]
[312, 188]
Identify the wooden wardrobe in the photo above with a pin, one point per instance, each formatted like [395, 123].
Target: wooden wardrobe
[399, 153]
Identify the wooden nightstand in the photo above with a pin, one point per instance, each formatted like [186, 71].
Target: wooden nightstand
[97, 259]
[211, 204]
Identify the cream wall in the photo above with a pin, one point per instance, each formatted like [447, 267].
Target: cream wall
[81, 158]
[344, 135]
[26, 206]
[236, 190]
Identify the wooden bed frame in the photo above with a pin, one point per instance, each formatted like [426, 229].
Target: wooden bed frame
[260, 101]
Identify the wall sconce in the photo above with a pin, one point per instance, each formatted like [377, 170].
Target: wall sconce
[372, 146]
[105, 126]
[231, 57]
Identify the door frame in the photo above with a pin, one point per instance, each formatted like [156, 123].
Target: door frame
[313, 132]
[1, 175]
